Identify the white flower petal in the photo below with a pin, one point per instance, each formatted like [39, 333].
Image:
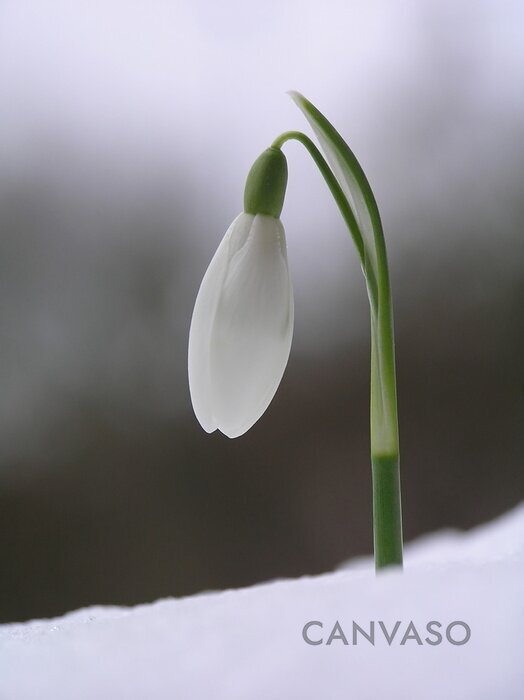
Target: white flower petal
[203, 320]
[242, 326]
[253, 327]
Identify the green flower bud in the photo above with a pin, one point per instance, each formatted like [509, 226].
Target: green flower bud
[266, 184]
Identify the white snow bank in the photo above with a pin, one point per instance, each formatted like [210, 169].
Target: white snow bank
[248, 644]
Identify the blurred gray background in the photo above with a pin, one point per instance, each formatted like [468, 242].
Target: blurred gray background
[126, 132]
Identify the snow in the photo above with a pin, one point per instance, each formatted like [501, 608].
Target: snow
[248, 643]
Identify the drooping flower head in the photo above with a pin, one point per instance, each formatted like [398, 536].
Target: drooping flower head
[242, 323]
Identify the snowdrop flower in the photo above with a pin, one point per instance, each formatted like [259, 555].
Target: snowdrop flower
[242, 322]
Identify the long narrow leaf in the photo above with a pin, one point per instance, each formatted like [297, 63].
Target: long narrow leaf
[349, 174]
[356, 188]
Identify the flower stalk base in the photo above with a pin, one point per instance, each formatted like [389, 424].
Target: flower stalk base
[387, 517]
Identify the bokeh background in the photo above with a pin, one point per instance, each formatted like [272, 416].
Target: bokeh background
[126, 132]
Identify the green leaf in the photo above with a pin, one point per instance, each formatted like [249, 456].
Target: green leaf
[350, 176]
[357, 190]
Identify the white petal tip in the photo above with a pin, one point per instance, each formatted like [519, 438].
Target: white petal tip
[208, 426]
[233, 434]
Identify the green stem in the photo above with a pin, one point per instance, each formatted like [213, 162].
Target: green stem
[334, 187]
[387, 511]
